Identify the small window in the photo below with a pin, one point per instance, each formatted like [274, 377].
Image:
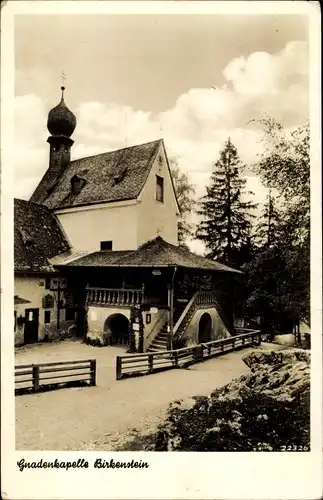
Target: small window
[159, 188]
[47, 283]
[77, 184]
[46, 317]
[48, 302]
[106, 245]
[15, 320]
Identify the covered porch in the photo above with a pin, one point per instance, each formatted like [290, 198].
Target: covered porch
[157, 286]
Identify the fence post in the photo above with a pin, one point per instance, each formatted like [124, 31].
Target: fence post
[198, 354]
[93, 371]
[35, 378]
[233, 342]
[176, 358]
[151, 363]
[119, 367]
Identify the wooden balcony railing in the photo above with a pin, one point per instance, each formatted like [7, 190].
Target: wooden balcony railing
[115, 296]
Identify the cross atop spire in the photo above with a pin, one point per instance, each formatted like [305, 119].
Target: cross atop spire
[63, 78]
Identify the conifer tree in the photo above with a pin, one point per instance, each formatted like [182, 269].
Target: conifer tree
[225, 211]
[268, 229]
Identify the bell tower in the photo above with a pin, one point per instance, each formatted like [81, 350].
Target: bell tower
[61, 124]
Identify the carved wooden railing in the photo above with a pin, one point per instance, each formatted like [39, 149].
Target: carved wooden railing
[115, 296]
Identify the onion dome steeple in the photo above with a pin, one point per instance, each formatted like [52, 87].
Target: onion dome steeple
[61, 124]
[61, 121]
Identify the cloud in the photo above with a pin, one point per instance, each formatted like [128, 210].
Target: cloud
[194, 128]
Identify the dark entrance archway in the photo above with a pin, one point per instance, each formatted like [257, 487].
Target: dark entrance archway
[116, 328]
[205, 328]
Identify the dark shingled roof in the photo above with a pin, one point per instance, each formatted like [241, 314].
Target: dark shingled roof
[38, 237]
[114, 176]
[154, 253]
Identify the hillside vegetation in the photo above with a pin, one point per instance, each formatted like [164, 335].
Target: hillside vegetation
[266, 410]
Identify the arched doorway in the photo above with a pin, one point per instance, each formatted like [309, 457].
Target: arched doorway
[116, 328]
[205, 328]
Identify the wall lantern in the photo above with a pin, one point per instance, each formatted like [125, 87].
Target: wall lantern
[156, 272]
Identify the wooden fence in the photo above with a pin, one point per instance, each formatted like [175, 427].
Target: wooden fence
[45, 376]
[145, 363]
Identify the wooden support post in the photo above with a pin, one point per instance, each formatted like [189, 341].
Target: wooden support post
[151, 363]
[58, 304]
[119, 367]
[93, 371]
[35, 378]
[169, 317]
[176, 359]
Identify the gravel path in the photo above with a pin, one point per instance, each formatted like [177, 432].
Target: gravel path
[102, 417]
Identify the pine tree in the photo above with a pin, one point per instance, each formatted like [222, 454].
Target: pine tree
[225, 212]
[268, 229]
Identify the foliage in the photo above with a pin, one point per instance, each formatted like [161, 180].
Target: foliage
[279, 273]
[255, 423]
[185, 193]
[269, 224]
[132, 338]
[226, 214]
[264, 410]
[141, 334]
[285, 162]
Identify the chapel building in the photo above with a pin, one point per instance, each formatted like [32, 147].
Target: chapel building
[97, 254]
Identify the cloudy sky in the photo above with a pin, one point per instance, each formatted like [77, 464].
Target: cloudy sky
[137, 78]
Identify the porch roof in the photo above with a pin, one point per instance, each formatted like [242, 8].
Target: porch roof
[20, 300]
[154, 253]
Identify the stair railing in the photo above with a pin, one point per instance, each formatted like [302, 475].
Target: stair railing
[199, 300]
[186, 315]
[155, 329]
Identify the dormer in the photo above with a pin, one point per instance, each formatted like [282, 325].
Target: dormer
[26, 238]
[77, 184]
[119, 173]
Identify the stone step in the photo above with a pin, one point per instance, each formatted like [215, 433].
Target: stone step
[158, 343]
[155, 349]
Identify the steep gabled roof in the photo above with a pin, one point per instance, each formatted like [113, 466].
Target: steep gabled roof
[154, 253]
[113, 176]
[38, 236]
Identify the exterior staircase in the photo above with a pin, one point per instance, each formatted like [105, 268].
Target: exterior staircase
[160, 341]
[183, 314]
